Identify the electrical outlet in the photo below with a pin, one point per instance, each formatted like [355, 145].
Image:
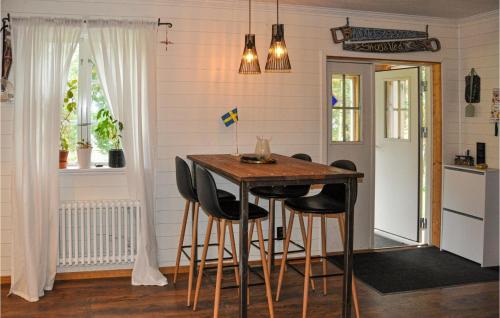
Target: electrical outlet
[279, 233]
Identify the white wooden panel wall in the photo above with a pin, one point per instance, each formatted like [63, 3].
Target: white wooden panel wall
[478, 38]
[197, 81]
[6, 166]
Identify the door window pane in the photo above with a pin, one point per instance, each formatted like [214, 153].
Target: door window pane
[397, 109]
[345, 108]
[337, 124]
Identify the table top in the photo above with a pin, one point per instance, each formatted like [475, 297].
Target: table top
[285, 169]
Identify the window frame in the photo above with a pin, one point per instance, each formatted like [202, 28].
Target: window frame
[398, 110]
[345, 109]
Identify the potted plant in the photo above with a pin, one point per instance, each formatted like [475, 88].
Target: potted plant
[68, 110]
[84, 153]
[110, 129]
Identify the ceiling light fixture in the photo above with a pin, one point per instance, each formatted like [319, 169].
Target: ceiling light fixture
[250, 60]
[277, 59]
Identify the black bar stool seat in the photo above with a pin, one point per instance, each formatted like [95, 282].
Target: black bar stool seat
[231, 211]
[280, 192]
[321, 203]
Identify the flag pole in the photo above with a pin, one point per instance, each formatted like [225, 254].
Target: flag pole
[237, 151]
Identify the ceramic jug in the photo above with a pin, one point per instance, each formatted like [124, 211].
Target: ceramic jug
[262, 148]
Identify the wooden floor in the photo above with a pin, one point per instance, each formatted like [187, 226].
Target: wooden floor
[117, 298]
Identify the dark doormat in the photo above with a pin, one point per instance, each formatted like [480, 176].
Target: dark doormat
[414, 269]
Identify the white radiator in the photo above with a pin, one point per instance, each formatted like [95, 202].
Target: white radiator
[98, 232]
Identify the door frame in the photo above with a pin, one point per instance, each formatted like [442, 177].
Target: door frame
[434, 219]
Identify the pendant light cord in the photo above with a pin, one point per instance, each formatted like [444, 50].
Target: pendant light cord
[249, 16]
[277, 12]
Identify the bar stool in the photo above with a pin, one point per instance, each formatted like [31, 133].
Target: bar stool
[188, 192]
[281, 193]
[328, 203]
[227, 213]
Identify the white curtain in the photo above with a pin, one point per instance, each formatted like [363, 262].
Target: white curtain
[42, 51]
[125, 56]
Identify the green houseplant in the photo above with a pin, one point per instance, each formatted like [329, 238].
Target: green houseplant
[68, 111]
[109, 128]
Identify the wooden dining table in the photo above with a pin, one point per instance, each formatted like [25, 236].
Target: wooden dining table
[285, 171]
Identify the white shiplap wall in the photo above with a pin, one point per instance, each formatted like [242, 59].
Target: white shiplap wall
[478, 38]
[197, 81]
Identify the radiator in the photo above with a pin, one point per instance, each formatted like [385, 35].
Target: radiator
[98, 232]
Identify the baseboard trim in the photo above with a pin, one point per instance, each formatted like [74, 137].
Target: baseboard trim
[116, 273]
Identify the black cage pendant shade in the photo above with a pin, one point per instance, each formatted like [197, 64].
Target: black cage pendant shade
[250, 60]
[277, 58]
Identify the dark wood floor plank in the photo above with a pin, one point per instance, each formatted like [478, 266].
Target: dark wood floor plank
[115, 297]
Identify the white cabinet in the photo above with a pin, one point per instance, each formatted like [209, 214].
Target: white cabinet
[469, 226]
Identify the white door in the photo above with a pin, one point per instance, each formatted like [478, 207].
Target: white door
[396, 153]
[350, 136]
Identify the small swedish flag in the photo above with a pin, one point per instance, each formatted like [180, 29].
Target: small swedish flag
[230, 117]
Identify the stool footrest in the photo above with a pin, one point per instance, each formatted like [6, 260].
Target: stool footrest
[292, 266]
[226, 251]
[250, 268]
[300, 248]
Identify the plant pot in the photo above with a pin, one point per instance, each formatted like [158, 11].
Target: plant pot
[116, 158]
[84, 155]
[63, 159]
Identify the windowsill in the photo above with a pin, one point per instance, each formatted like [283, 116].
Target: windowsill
[72, 170]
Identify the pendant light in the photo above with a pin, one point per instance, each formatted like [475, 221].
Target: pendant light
[249, 61]
[277, 59]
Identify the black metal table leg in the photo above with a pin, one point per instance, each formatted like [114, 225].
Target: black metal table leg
[348, 246]
[243, 248]
[272, 230]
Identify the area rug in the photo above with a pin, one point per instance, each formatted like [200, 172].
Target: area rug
[415, 269]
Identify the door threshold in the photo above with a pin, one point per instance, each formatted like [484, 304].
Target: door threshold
[382, 249]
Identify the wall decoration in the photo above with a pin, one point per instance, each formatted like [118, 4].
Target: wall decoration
[169, 26]
[358, 34]
[495, 108]
[405, 46]
[472, 92]
[371, 40]
[7, 88]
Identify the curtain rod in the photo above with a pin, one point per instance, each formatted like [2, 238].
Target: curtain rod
[6, 20]
[168, 24]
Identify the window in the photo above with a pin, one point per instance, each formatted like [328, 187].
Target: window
[89, 97]
[345, 108]
[397, 109]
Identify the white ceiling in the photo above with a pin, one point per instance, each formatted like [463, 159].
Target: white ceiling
[434, 8]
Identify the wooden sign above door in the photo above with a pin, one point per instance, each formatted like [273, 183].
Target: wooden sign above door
[401, 41]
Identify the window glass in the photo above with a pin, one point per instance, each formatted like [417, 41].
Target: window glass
[98, 102]
[345, 108]
[397, 109]
[90, 98]
[69, 121]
